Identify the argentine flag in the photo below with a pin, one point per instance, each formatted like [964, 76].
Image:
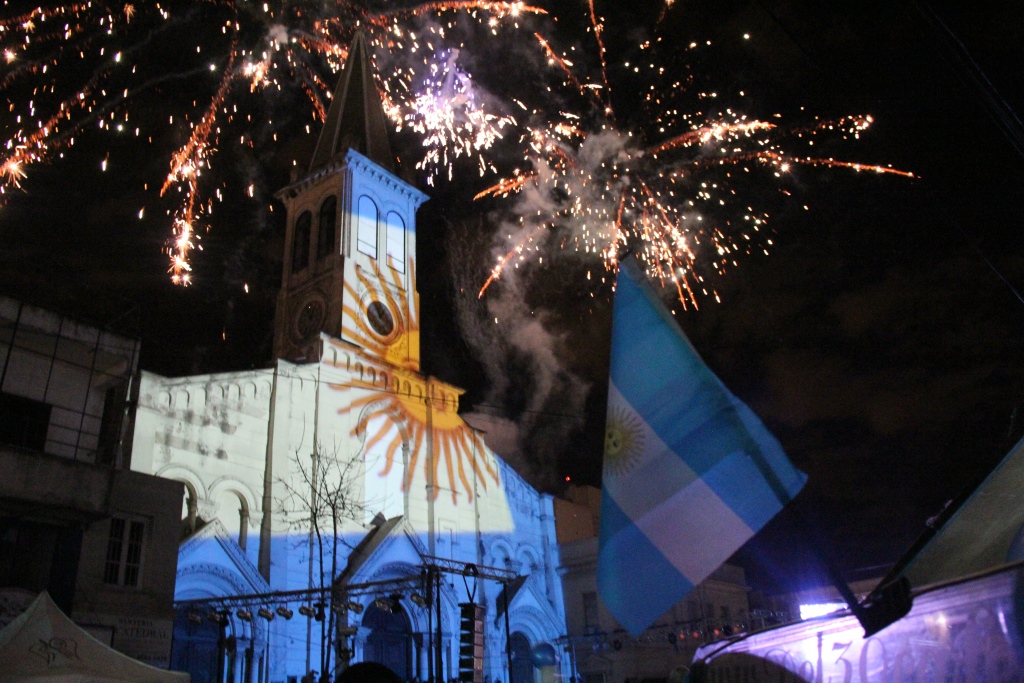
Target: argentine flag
[690, 473]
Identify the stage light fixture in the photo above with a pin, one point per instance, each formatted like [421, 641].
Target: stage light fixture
[355, 607]
[383, 604]
[284, 612]
[418, 600]
[266, 614]
[244, 615]
[306, 611]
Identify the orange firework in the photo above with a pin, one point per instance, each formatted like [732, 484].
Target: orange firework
[283, 46]
[667, 194]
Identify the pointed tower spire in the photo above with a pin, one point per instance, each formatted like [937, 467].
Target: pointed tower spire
[356, 117]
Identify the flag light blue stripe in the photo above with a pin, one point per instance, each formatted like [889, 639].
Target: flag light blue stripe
[702, 428]
[740, 485]
[651, 584]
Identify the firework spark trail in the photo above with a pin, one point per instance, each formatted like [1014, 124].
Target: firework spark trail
[718, 132]
[498, 9]
[278, 47]
[566, 66]
[186, 165]
[673, 201]
[598, 28]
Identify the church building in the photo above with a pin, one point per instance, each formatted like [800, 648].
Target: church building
[338, 509]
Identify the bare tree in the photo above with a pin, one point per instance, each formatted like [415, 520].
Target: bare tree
[323, 497]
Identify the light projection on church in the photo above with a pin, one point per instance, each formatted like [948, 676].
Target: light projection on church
[382, 319]
[400, 413]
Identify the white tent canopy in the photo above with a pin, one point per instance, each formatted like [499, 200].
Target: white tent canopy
[44, 645]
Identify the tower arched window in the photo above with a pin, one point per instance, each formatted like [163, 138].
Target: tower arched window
[366, 226]
[326, 227]
[396, 241]
[300, 241]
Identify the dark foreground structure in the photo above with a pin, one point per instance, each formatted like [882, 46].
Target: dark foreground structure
[966, 623]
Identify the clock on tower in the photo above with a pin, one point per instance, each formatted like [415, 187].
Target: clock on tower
[350, 245]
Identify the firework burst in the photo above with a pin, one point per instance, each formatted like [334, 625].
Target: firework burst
[76, 68]
[599, 188]
[450, 116]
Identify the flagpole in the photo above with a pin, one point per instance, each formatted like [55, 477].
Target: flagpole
[885, 605]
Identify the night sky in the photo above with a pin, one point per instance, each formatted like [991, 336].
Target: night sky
[880, 340]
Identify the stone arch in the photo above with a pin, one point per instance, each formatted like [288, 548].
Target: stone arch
[396, 237]
[300, 241]
[199, 637]
[186, 476]
[163, 399]
[417, 616]
[190, 505]
[529, 621]
[326, 233]
[367, 217]
[501, 553]
[229, 490]
[389, 641]
[522, 661]
[527, 558]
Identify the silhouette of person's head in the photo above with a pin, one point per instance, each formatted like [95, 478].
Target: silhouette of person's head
[368, 672]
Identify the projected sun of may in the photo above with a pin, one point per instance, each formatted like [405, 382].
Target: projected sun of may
[358, 285]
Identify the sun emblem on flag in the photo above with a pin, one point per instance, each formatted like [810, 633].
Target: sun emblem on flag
[623, 442]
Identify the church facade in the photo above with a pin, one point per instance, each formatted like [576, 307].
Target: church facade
[337, 507]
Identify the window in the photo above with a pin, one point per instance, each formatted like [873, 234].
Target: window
[124, 552]
[110, 426]
[23, 422]
[300, 241]
[396, 241]
[326, 227]
[366, 226]
[591, 622]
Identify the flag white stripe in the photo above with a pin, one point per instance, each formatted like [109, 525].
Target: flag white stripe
[657, 475]
[695, 530]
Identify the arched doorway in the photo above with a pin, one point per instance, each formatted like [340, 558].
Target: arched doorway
[522, 659]
[390, 639]
[195, 648]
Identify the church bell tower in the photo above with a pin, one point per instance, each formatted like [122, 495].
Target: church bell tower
[350, 244]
